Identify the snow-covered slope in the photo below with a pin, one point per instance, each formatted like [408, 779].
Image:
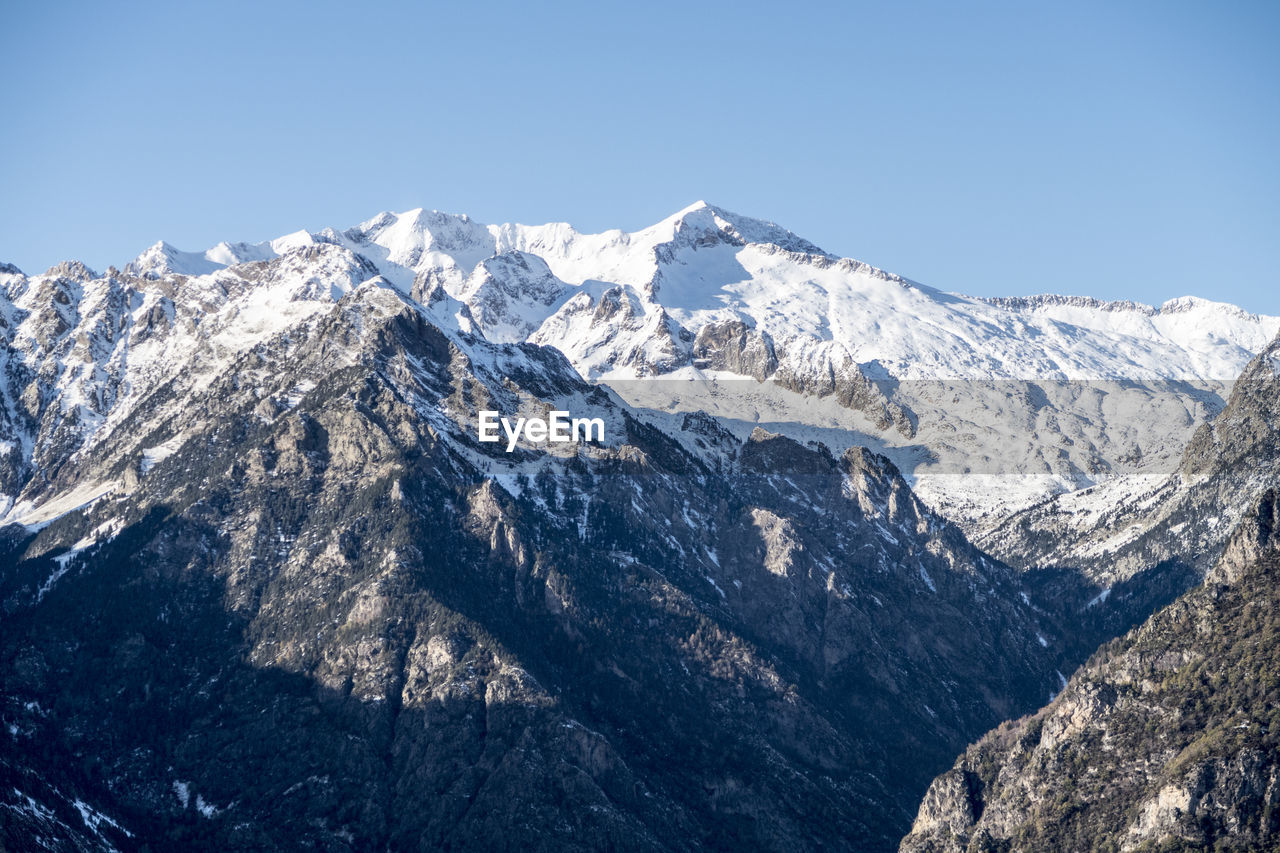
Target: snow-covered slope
[164, 259]
[986, 404]
[705, 265]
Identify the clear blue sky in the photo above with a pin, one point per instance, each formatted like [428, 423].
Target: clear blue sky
[1123, 150]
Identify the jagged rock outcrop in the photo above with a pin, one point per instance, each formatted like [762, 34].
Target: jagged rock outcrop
[1166, 739]
[509, 294]
[733, 346]
[826, 370]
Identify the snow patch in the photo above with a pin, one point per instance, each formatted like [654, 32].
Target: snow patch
[151, 456]
[205, 808]
[1100, 598]
[36, 518]
[928, 581]
[94, 819]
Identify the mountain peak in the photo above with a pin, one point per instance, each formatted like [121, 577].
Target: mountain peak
[162, 257]
[700, 204]
[74, 270]
[1185, 304]
[708, 220]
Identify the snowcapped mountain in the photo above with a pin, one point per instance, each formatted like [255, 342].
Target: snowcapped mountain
[243, 504]
[704, 265]
[162, 259]
[987, 405]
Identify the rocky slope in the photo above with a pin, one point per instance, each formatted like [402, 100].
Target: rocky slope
[1165, 740]
[281, 597]
[1104, 563]
[1227, 462]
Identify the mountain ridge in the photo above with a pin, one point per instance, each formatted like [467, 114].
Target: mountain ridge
[659, 303]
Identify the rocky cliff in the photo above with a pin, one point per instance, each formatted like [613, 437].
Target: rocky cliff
[1165, 740]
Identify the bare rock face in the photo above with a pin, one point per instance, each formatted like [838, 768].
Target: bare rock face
[1165, 739]
[1253, 540]
[826, 370]
[73, 270]
[735, 347]
[951, 807]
